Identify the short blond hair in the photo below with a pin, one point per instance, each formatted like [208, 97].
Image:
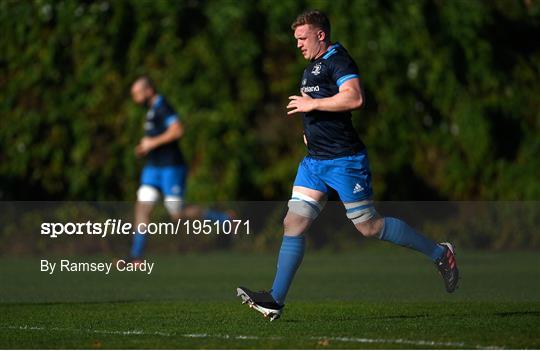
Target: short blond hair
[315, 18]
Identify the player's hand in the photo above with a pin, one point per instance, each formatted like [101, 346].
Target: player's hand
[145, 146]
[302, 103]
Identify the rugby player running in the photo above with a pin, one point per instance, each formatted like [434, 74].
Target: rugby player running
[337, 159]
[165, 170]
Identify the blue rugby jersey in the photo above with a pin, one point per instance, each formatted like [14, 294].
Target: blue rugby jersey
[158, 118]
[329, 134]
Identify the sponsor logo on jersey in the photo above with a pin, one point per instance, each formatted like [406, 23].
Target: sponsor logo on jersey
[310, 89]
[148, 125]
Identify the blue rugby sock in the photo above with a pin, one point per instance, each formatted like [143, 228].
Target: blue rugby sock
[398, 232]
[289, 259]
[138, 244]
[214, 215]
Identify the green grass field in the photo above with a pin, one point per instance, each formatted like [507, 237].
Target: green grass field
[378, 297]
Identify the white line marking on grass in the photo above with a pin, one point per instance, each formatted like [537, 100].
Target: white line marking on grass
[461, 345]
[395, 341]
[92, 331]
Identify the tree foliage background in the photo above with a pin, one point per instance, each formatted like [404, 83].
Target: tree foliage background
[452, 87]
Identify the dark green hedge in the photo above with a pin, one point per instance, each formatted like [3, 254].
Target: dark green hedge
[452, 89]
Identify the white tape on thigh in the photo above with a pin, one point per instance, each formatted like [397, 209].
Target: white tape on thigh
[360, 211]
[147, 193]
[173, 204]
[305, 206]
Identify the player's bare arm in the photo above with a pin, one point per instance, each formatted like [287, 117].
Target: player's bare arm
[349, 98]
[174, 132]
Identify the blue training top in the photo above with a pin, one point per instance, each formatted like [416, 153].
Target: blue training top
[330, 134]
[158, 118]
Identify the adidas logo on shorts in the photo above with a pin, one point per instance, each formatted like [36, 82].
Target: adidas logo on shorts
[357, 188]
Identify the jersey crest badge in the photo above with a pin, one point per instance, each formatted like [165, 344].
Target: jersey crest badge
[316, 69]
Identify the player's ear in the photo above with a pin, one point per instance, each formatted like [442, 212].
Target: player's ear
[321, 35]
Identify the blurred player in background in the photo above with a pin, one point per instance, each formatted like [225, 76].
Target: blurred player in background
[337, 159]
[165, 170]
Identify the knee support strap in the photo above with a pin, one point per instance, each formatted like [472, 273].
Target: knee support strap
[360, 211]
[173, 204]
[147, 193]
[305, 206]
